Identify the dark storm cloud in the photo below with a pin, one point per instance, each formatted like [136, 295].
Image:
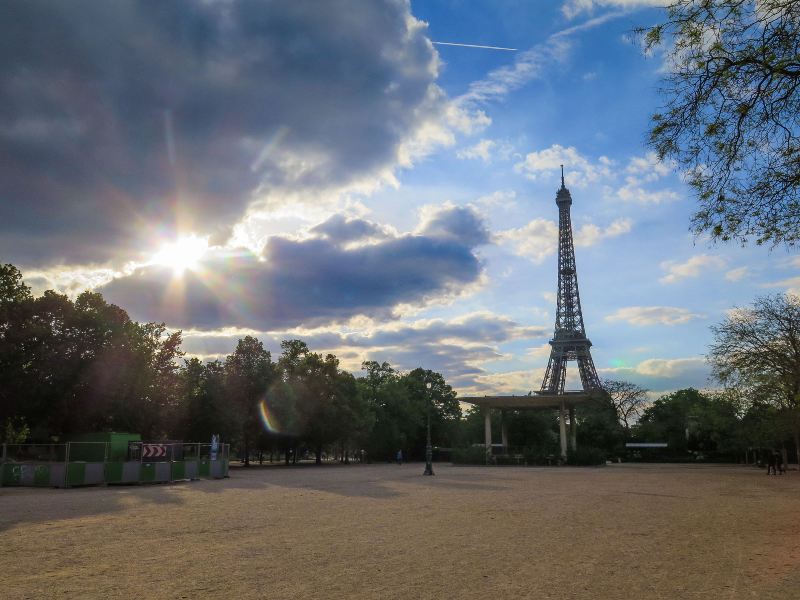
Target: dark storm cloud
[122, 117]
[306, 282]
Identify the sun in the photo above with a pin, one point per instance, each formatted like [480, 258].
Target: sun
[184, 254]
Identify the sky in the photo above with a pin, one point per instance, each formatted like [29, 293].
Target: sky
[342, 173]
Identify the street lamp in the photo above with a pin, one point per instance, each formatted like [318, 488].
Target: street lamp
[428, 449]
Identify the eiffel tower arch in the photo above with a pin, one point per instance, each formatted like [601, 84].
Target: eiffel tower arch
[568, 344]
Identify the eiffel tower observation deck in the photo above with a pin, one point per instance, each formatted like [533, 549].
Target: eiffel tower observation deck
[569, 344]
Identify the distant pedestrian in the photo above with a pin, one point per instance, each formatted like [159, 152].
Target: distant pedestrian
[772, 464]
[399, 457]
[779, 463]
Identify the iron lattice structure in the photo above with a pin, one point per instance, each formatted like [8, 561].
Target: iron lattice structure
[569, 340]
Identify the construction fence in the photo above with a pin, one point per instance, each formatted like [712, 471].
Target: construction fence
[101, 463]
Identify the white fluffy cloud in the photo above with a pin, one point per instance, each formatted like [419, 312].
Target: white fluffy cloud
[690, 268]
[539, 238]
[487, 151]
[653, 315]
[578, 170]
[641, 172]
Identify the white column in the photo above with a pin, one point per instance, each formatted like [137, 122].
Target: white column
[562, 430]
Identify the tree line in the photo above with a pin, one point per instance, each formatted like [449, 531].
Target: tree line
[74, 366]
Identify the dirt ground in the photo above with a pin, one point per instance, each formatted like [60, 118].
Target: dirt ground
[384, 531]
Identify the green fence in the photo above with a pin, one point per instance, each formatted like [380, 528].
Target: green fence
[98, 463]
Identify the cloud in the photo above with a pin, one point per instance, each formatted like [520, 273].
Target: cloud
[573, 8]
[737, 274]
[670, 368]
[456, 223]
[539, 238]
[486, 150]
[691, 268]
[578, 170]
[498, 199]
[663, 373]
[527, 66]
[792, 285]
[642, 171]
[536, 241]
[482, 150]
[340, 229]
[633, 192]
[457, 347]
[653, 315]
[122, 120]
[311, 281]
[590, 234]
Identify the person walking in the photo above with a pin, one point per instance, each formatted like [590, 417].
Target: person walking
[399, 457]
[779, 463]
[772, 463]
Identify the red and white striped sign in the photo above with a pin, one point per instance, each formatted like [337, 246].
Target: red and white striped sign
[154, 450]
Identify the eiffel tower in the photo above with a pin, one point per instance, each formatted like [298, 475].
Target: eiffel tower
[569, 340]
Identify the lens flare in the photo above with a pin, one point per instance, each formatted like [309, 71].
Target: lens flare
[268, 418]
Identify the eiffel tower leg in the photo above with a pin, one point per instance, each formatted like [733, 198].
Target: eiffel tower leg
[562, 430]
[573, 430]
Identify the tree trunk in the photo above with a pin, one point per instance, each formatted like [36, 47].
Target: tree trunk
[294, 455]
[246, 451]
[796, 431]
[287, 456]
[318, 452]
[347, 457]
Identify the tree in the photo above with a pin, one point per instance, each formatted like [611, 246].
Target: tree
[758, 349]
[248, 374]
[690, 420]
[732, 113]
[628, 399]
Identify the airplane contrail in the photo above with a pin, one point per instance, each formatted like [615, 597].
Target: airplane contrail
[474, 46]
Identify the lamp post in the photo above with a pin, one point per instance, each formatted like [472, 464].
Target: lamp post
[428, 449]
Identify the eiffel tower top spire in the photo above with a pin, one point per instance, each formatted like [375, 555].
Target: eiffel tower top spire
[563, 187]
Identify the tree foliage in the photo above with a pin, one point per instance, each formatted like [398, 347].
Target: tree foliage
[731, 117]
[628, 399]
[757, 349]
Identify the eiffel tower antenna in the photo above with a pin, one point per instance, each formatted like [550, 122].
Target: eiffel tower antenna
[569, 341]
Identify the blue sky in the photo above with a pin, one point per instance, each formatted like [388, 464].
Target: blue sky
[324, 171]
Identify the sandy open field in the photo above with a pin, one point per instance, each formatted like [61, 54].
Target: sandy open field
[622, 531]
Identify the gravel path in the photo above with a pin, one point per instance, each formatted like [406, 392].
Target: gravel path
[384, 531]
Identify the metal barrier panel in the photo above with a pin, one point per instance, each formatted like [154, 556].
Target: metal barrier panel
[205, 468]
[217, 469]
[94, 474]
[58, 472]
[163, 472]
[131, 472]
[192, 470]
[148, 473]
[76, 472]
[178, 470]
[114, 472]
